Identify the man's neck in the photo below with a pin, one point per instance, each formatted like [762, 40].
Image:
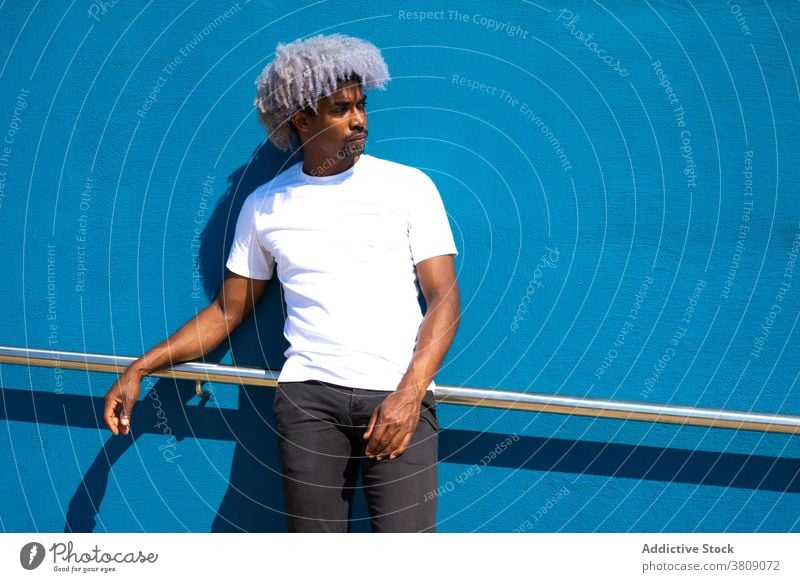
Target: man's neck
[327, 166]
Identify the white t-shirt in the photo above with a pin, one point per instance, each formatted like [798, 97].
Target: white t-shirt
[345, 248]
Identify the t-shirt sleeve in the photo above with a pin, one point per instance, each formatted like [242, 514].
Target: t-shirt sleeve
[429, 231]
[247, 257]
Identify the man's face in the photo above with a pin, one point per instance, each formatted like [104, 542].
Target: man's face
[338, 131]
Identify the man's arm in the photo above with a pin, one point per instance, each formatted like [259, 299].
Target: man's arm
[197, 337]
[393, 422]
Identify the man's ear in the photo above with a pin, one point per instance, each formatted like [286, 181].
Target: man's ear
[300, 121]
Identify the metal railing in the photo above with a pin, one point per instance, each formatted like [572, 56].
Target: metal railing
[615, 409]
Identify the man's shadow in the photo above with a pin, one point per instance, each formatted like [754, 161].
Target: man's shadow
[253, 501]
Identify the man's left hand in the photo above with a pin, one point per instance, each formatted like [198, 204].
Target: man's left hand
[392, 424]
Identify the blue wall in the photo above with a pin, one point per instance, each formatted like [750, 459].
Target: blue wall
[621, 180]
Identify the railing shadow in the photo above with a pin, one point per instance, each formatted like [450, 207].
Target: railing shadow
[669, 465]
[254, 503]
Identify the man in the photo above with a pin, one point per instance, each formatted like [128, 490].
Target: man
[350, 236]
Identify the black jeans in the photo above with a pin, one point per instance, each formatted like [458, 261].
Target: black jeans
[321, 429]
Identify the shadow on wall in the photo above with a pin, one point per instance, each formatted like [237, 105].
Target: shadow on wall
[253, 501]
[265, 325]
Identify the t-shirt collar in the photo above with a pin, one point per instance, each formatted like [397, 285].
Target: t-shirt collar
[335, 178]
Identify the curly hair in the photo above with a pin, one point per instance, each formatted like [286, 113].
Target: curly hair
[304, 71]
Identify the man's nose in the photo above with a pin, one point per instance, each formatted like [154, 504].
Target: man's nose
[358, 119]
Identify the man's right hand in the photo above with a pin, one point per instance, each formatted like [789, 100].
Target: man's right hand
[198, 336]
[119, 402]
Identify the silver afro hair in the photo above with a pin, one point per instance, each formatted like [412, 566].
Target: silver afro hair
[305, 71]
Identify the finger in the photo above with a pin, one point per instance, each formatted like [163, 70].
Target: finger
[125, 411]
[110, 416]
[124, 423]
[371, 424]
[378, 439]
[124, 420]
[394, 443]
[375, 445]
[383, 441]
[402, 447]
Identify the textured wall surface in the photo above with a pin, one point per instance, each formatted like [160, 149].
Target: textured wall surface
[621, 179]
